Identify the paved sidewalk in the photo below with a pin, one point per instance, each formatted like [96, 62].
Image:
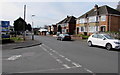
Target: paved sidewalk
[17, 45]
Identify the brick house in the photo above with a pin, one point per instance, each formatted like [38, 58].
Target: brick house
[98, 19]
[67, 25]
[52, 29]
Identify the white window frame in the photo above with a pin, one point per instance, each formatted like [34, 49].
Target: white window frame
[82, 20]
[92, 19]
[103, 18]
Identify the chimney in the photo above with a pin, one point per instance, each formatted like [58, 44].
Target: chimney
[96, 6]
[68, 16]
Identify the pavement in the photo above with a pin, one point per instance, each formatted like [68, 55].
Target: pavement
[17, 45]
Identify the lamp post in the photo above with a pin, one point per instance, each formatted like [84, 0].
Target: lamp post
[32, 28]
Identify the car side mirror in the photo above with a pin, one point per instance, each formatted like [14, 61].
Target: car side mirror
[104, 38]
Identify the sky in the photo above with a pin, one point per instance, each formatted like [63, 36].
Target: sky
[47, 13]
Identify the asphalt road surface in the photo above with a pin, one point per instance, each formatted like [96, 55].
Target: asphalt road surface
[55, 56]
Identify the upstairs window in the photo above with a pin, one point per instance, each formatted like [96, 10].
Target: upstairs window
[92, 19]
[82, 20]
[103, 18]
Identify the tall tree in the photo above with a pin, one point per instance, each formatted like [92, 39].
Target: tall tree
[29, 28]
[20, 25]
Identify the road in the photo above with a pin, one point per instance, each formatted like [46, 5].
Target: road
[55, 56]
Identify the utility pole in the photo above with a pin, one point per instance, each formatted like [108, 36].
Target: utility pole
[32, 27]
[24, 32]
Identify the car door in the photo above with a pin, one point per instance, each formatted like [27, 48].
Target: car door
[101, 41]
[94, 39]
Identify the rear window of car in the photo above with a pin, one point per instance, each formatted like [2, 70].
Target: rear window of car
[66, 34]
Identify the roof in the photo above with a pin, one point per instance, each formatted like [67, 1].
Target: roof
[68, 19]
[103, 10]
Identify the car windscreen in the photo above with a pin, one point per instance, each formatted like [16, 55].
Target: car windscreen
[108, 37]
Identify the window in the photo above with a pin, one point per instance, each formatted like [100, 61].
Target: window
[93, 28]
[92, 19]
[82, 20]
[95, 35]
[78, 21]
[103, 18]
[100, 36]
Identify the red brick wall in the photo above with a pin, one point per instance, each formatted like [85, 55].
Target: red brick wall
[72, 28]
[114, 23]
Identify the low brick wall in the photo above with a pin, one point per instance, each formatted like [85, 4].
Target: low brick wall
[76, 37]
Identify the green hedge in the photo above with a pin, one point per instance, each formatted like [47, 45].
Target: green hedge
[83, 36]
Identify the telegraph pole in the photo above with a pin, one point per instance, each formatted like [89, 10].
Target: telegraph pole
[24, 33]
[32, 27]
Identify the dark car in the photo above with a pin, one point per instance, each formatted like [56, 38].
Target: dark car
[64, 37]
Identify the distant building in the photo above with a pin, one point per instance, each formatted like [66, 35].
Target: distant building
[98, 19]
[54, 29]
[67, 25]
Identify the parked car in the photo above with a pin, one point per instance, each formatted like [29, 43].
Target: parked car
[64, 37]
[104, 40]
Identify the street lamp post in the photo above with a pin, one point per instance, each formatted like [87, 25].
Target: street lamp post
[32, 28]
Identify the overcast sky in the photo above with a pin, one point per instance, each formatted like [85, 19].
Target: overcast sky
[47, 13]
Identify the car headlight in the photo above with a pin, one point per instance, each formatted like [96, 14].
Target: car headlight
[117, 42]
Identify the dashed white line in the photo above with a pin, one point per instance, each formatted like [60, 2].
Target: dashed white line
[67, 59]
[77, 65]
[88, 70]
[50, 53]
[61, 56]
[58, 60]
[51, 49]
[66, 66]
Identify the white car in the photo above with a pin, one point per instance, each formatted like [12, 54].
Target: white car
[103, 40]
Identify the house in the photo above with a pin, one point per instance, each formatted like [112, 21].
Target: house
[54, 29]
[67, 25]
[98, 19]
[42, 31]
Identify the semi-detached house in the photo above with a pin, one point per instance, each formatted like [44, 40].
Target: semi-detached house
[98, 19]
[67, 25]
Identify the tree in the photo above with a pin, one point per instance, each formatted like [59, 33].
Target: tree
[29, 28]
[20, 25]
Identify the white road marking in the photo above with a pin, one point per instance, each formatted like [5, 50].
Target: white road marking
[51, 49]
[88, 70]
[66, 66]
[58, 60]
[67, 59]
[14, 57]
[61, 56]
[50, 53]
[77, 65]
[54, 57]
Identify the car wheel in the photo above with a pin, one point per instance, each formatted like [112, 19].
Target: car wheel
[61, 39]
[89, 43]
[108, 46]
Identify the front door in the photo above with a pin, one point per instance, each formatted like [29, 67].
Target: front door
[103, 28]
